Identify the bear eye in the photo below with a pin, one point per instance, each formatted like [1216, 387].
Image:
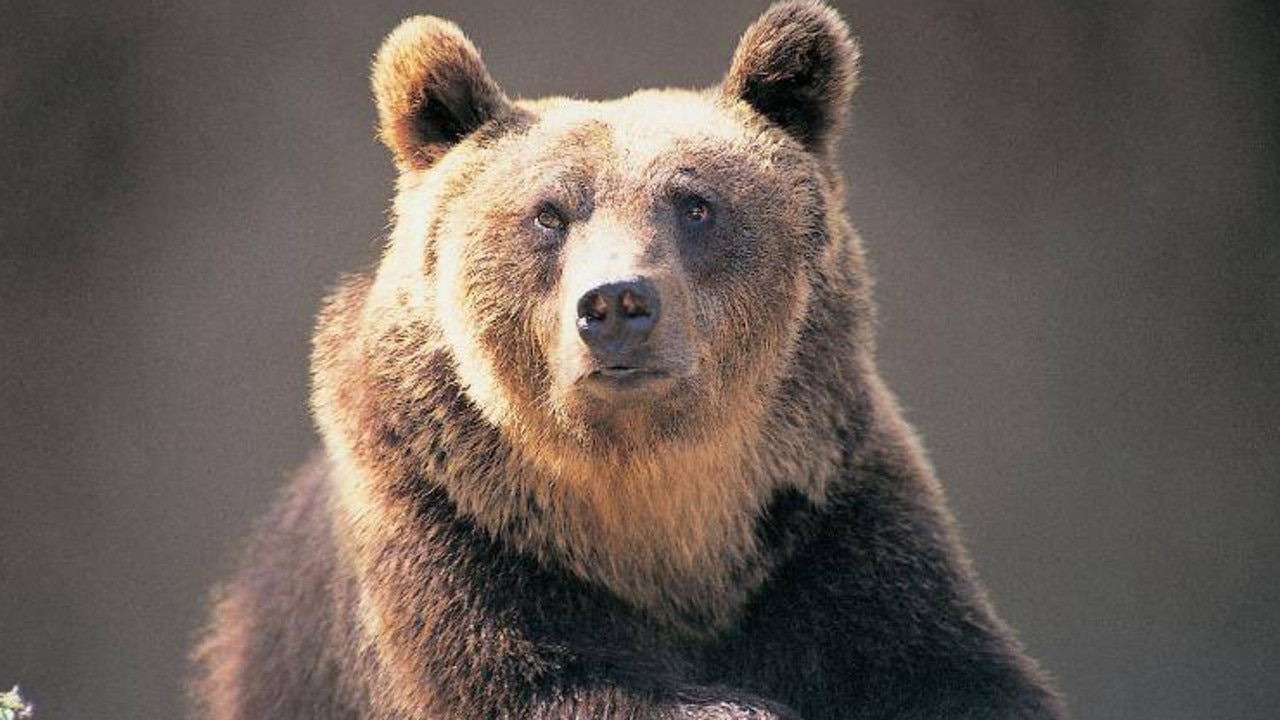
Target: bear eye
[695, 210]
[549, 219]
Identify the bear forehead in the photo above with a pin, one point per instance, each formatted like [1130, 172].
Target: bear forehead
[643, 132]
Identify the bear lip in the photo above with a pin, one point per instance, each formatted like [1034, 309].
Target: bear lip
[625, 378]
[625, 371]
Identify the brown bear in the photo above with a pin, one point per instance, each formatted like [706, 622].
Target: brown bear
[604, 435]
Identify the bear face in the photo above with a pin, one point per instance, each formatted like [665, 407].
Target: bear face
[618, 284]
[612, 295]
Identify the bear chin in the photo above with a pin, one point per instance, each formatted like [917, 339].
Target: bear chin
[636, 411]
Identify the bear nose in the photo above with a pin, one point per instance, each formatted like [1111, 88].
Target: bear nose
[618, 315]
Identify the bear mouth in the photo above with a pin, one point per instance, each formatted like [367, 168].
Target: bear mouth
[614, 379]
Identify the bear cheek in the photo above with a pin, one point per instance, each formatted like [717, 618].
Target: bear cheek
[509, 299]
[756, 315]
[481, 322]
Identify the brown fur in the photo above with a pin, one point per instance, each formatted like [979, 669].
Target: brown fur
[499, 539]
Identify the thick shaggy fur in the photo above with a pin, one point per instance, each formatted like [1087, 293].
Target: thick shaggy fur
[495, 532]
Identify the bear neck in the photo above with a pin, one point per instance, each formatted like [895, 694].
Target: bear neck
[674, 532]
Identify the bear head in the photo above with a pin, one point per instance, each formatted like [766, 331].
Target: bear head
[609, 329]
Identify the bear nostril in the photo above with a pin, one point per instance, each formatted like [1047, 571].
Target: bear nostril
[593, 306]
[633, 305]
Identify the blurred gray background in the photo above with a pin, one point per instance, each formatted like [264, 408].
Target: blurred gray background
[1073, 210]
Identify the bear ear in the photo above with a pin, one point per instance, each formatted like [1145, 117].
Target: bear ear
[797, 66]
[432, 91]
